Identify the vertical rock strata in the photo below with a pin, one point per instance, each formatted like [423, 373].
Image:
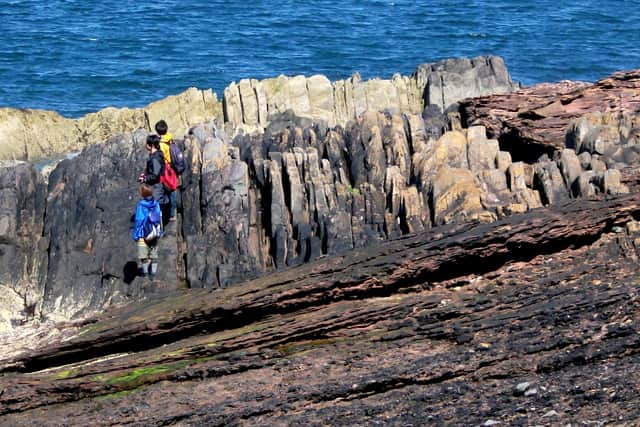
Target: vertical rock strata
[254, 202]
[296, 193]
[251, 103]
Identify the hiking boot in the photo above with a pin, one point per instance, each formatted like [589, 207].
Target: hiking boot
[153, 270]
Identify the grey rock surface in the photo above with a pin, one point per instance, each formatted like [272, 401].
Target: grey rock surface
[253, 203]
[449, 81]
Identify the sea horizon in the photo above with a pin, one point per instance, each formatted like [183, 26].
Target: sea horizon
[74, 58]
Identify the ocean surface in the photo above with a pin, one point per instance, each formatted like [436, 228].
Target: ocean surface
[78, 56]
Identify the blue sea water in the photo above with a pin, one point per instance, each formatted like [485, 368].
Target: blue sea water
[78, 56]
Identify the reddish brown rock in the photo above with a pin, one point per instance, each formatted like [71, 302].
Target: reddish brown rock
[536, 118]
[534, 319]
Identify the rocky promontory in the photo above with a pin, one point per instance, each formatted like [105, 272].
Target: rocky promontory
[248, 106]
[445, 248]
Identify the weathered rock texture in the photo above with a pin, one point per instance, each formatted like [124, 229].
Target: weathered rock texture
[539, 116]
[467, 304]
[257, 203]
[36, 134]
[300, 191]
[530, 320]
[69, 248]
[88, 223]
[253, 102]
[22, 212]
[250, 104]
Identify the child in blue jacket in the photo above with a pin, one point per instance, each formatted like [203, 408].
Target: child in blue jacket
[147, 249]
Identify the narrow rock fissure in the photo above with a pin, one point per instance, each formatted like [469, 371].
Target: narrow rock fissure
[442, 86]
[44, 270]
[203, 203]
[242, 107]
[147, 122]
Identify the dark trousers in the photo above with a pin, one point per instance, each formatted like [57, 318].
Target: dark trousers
[165, 208]
[173, 204]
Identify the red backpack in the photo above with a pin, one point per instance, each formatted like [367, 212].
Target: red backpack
[169, 178]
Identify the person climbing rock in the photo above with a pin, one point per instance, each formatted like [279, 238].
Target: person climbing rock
[147, 230]
[152, 175]
[166, 139]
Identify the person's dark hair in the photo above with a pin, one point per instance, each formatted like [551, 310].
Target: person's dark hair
[146, 190]
[161, 127]
[154, 140]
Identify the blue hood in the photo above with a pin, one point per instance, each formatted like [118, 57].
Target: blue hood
[149, 203]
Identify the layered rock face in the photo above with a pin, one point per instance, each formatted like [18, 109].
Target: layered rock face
[299, 193]
[35, 134]
[537, 118]
[251, 204]
[302, 191]
[420, 267]
[249, 105]
[596, 126]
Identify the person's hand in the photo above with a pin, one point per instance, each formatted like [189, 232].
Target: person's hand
[141, 178]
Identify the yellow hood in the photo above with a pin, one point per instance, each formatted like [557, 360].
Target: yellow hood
[166, 138]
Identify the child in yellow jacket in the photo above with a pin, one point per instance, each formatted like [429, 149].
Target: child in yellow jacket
[165, 139]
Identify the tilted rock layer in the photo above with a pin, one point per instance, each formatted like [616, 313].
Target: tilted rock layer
[538, 116]
[533, 319]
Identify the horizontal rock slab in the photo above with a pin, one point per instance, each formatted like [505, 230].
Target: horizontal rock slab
[519, 321]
